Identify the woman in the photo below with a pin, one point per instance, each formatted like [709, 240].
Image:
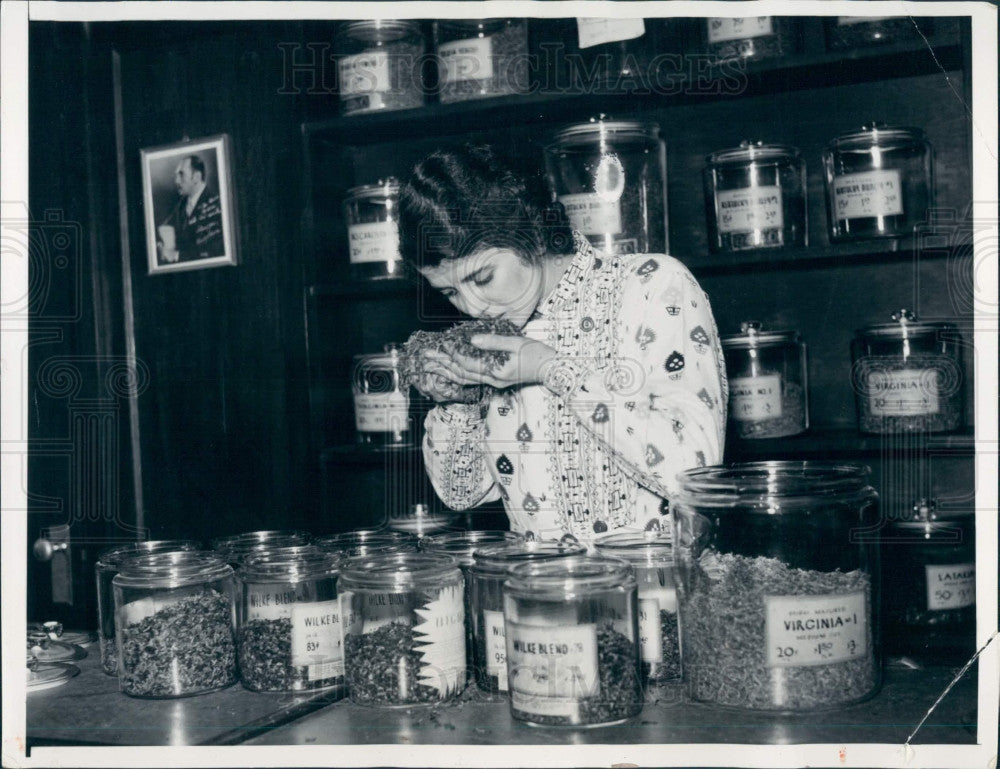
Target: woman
[616, 384]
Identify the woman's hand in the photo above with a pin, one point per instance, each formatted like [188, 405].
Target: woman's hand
[526, 365]
[438, 388]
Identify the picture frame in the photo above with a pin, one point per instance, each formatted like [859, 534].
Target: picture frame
[190, 218]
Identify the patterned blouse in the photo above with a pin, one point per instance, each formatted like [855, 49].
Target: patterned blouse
[643, 396]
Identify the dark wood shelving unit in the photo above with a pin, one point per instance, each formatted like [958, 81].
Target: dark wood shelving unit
[820, 443]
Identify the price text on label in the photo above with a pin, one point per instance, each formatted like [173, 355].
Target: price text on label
[951, 586]
[815, 630]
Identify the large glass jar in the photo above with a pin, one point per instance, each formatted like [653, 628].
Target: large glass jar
[379, 65]
[610, 176]
[105, 570]
[368, 542]
[371, 213]
[478, 58]
[404, 624]
[236, 547]
[381, 400]
[753, 37]
[651, 554]
[879, 182]
[844, 32]
[490, 568]
[907, 376]
[778, 588]
[175, 621]
[755, 197]
[290, 636]
[572, 642]
[768, 382]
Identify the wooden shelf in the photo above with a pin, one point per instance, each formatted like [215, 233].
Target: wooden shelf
[838, 442]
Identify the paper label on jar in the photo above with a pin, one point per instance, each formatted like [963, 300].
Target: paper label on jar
[750, 209]
[470, 59]
[439, 636]
[553, 665]
[599, 31]
[381, 609]
[374, 242]
[591, 214]
[381, 412]
[496, 647]
[363, 73]
[136, 611]
[740, 28]
[269, 602]
[909, 392]
[752, 398]
[317, 639]
[802, 631]
[350, 622]
[845, 20]
[650, 639]
[951, 587]
[868, 194]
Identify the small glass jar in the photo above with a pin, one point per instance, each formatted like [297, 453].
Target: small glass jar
[778, 597]
[490, 568]
[610, 177]
[479, 58]
[843, 32]
[290, 636]
[379, 65]
[572, 642]
[879, 182]
[651, 555]
[755, 197]
[175, 620]
[371, 212]
[368, 542]
[420, 522]
[768, 382]
[929, 582]
[404, 625]
[753, 37]
[105, 570]
[381, 400]
[907, 376]
[236, 547]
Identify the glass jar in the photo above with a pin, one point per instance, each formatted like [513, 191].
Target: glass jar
[236, 547]
[844, 32]
[778, 594]
[105, 570]
[478, 58]
[290, 636]
[175, 618]
[879, 182]
[371, 212]
[768, 382]
[404, 625]
[368, 542]
[651, 555]
[381, 400]
[572, 642]
[379, 65]
[755, 197]
[490, 568]
[929, 582]
[907, 376]
[420, 522]
[615, 51]
[610, 177]
[753, 37]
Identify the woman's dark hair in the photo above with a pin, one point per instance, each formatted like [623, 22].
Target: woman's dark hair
[457, 202]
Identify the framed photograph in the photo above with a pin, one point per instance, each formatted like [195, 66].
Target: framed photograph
[188, 200]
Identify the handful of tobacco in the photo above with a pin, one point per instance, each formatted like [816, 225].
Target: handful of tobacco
[455, 340]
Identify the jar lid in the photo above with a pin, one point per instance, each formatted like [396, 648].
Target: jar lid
[378, 30]
[576, 574]
[238, 545]
[752, 335]
[878, 134]
[388, 359]
[174, 569]
[500, 559]
[383, 188]
[115, 555]
[905, 325]
[290, 564]
[752, 150]
[928, 521]
[48, 675]
[378, 537]
[400, 570]
[603, 130]
[464, 544]
[637, 547]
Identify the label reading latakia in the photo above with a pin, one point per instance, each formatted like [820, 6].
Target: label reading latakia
[373, 242]
[750, 209]
[470, 59]
[868, 194]
[381, 412]
[720, 29]
[496, 647]
[592, 214]
[755, 398]
[553, 666]
[951, 587]
[911, 392]
[365, 73]
[816, 629]
[317, 639]
[599, 31]
[439, 636]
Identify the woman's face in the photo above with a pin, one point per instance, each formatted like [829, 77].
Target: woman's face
[492, 283]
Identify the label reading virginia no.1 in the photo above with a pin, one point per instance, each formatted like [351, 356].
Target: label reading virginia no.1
[755, 398]
[908, 392]
[815, 629]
